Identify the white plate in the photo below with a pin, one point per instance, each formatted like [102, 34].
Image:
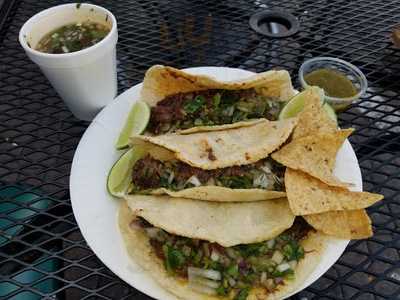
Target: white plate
[96, 211]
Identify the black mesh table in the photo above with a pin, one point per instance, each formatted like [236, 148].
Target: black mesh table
[42, 252]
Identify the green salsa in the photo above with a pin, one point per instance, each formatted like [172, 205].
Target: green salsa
[334, 83]
[73, 37]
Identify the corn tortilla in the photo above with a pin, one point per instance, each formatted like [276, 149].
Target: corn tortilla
[224, 148]
[162, 81]
[227, 224]
[139, 249]
[221, 194]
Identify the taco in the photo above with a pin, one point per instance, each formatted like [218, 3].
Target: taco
[258, 181]
[181, 101]
[200, 268]
[230, 168]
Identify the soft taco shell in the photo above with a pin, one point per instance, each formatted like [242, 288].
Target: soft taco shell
[347, 224]
[140, 250]
[313, 118]
[161, 81]
[227, 224]
[221, 194]
[314, 155]
[224, 148]
[308, 195]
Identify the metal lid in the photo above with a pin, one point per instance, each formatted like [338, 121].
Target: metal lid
[274, 23]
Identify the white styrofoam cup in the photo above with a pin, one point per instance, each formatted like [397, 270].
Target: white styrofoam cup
[87, 79]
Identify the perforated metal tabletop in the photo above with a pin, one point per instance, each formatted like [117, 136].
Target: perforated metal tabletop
[42, 252]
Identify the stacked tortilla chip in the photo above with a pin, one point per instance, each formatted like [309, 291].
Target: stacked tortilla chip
[313, 191]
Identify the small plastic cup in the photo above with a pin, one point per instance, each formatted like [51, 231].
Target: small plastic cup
[87, 79]
[350, 71]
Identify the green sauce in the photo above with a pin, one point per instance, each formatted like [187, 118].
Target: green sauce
[73, 37]
[334, 83]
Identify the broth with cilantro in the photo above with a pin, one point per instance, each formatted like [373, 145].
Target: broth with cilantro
[73, 37]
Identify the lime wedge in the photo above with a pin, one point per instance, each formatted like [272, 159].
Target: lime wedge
[119, 177]
[330, 111]
[136, 123]
[296, 104]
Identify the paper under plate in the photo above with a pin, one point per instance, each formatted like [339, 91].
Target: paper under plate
[96, 211]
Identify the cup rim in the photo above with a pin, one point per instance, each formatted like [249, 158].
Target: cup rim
[363, 82]
[108, 37]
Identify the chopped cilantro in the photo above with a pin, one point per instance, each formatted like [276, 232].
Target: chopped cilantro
[194, 105]
[293, 251]
[174, 258]
[242, 295]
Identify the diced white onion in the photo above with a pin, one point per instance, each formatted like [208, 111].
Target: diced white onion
[204, 281]
[194, 180]
[271, 244]
[263, 277]
[171, 177]
[202, 288]
[266, 169]
[228, 111]
[277, 257]
[261, 181]
[283, 267]
[207, 273]
[292, 264]
[214, 256]
[231, 281]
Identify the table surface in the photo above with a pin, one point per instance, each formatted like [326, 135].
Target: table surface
[42, 252]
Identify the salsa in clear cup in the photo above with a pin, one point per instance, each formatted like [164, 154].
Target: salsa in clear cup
[342, 82]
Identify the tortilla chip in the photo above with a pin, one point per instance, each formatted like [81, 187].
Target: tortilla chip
[139, 249]
[314, 155]
[347, 224]
[227, 224]
[308, 195]
[161, 81]
[225, 148]
[313, 118]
